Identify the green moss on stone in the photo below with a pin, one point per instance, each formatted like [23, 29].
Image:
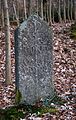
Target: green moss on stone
[18, 96]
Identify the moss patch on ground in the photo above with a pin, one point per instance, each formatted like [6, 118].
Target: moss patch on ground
[21, 110]
[58, 100]
[73, 31]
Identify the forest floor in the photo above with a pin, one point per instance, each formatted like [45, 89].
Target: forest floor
[64, 62]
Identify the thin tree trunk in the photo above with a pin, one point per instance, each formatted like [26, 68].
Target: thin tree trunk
[2, 18]
[75, 9]
[42, 9]
[13, 16]
[59, 11]
[2, 14]
[71, 8]
[64, 11]
[47, 6]
[8, 44]
[37, 7]
[50, 12]
[68, 11]
[15, 13]
[53, 12]
[33, 7]
[17, 9]
[25, 12]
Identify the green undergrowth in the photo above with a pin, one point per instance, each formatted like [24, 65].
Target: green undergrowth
[11, 114]
[44, 110]
[58, 100]
[21, 110]
[73, 31]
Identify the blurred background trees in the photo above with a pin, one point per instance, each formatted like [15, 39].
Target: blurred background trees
[49, 10]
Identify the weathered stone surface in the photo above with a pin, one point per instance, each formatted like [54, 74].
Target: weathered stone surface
[33, 53]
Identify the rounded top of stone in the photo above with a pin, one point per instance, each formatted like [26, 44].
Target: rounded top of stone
[32, 18]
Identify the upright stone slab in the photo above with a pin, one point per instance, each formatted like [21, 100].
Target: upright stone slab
[33, 54]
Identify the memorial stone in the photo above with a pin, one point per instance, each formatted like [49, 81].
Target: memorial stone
[33, 56]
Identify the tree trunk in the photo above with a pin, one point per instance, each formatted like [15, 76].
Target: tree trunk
[59, 11]
[17, 9]
[42, 9]
[47, 6]
[50, 12]
[25, 12]
[2, 14]
[33, 6]
[75, 9]
[2, 18]
[37, 7]
[68, 11]
[64, 11]
[53, 13]
[8, 44]
[15, 13]
[71, 8]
